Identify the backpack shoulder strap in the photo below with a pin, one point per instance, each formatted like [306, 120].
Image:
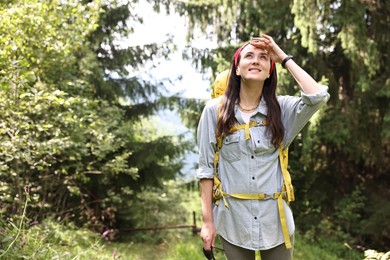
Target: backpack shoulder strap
[287, 184]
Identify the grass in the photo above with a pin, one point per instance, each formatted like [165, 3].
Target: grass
[53, 240]
[324, 249]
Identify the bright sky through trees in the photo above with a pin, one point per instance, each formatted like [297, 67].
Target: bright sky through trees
[179, 75]
[156, 29]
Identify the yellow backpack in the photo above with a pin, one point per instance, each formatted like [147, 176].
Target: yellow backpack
[287, 192]
[220, 84]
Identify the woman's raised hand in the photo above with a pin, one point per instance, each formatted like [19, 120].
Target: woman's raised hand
[267, 43]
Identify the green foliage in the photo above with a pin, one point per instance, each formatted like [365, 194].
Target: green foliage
[75, 128]
[48, 37]
[157, 207]
[307, 16]
[349, 210]
[374, 224]
[42, 123]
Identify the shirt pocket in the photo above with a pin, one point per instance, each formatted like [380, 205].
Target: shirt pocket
[230, 150]
[261, 141]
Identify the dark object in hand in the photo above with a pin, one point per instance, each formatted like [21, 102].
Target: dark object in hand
[208, 254]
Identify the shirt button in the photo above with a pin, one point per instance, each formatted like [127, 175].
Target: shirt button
[252, 157]
[255, 217]
[253, 178]
[258, 141]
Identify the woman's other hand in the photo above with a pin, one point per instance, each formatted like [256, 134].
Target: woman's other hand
[207, 234]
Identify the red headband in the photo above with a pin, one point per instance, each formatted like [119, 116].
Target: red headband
[238, 52]
[272, 67]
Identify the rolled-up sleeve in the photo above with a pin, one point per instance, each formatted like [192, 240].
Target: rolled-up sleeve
[314, 99]
[297, 111]
[206, 140]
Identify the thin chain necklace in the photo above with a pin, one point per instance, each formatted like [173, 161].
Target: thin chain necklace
[248, 109]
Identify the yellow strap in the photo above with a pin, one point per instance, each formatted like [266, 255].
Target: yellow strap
[283, 158]
[283, 221]
[217, 183]
[217, 187]
[216, 159]
[245, 127]
[219, 142]
[260, 196]
[219, 193]
[255, 196]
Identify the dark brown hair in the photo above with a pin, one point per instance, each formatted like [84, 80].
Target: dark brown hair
[227, 119]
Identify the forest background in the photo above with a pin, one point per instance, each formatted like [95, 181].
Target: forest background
[83, 156]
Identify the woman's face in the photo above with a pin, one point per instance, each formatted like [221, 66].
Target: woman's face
[254, 64]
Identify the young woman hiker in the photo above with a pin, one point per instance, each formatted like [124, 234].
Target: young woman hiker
[243, 138]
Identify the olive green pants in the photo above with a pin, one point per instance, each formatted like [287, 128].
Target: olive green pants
[280, 252]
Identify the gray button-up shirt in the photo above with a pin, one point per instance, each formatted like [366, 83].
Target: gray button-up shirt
[252, 166]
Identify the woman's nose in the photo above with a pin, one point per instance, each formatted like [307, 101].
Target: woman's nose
[256, 61]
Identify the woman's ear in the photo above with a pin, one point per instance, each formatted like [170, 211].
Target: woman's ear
[238, 73]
